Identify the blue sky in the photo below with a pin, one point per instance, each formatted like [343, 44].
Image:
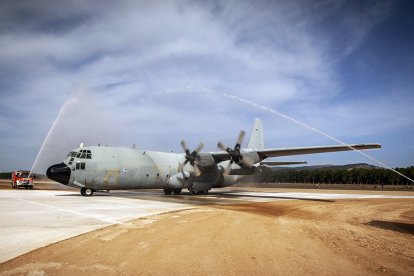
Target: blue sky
[152, 73]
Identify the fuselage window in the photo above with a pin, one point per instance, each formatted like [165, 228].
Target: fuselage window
[80, 165]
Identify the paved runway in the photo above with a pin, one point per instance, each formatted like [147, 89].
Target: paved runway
[31, 219]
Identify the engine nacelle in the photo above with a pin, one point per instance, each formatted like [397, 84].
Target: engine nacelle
[251, 155]
[205, 159]
[177, 180]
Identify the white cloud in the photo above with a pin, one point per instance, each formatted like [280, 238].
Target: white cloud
[130, 55]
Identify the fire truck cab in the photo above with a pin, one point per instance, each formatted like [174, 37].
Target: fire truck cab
[22, 179]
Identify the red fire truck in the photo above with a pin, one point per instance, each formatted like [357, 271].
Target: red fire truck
[22, 179]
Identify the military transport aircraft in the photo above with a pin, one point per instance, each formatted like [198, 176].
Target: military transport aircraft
[95, 168]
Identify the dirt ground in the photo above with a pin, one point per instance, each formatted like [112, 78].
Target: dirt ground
[312, 237]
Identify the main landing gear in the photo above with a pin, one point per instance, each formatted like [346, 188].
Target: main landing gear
[194, 192]
[178, 191]
[175, 191]
[86, 192]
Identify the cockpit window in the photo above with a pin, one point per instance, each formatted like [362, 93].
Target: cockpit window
[83, 154]
[69, 154]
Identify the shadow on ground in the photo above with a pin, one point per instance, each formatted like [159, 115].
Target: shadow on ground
[212, 198]
[393, 226]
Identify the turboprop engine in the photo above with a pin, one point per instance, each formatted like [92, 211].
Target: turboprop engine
[205, 159]
[177, 181]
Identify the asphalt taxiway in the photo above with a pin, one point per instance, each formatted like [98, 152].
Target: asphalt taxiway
[30, 219]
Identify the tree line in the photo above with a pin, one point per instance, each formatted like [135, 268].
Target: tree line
[7, 175]
[377, 176]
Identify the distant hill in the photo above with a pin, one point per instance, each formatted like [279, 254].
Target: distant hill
[327, 167]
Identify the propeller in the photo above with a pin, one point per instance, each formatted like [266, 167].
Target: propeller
[190, 157]
[235, 155]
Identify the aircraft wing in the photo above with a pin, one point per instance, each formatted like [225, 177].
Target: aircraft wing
[265, 153]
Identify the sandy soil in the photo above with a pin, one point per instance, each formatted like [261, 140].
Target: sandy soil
[340, 237]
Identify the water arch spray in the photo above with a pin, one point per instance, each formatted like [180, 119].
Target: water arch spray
[279, 114]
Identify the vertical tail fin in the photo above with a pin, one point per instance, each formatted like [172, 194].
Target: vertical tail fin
[256, 136]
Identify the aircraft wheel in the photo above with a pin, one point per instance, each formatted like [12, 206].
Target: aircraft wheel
[191, 190]
[168, 191]
[177, 191]
[86, 192]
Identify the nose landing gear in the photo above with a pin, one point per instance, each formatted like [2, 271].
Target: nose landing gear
[86, 192]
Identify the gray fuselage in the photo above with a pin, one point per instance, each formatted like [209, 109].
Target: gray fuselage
[108, 168]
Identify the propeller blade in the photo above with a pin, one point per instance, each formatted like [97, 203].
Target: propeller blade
[235, 155]
[199, 148]
[227, 170]
[184, 145]
[221, 146]
[197, 170]
[181, 168]
[190, 157]
[241, 137]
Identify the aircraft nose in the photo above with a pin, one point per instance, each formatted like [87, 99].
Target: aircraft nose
[59, 173]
